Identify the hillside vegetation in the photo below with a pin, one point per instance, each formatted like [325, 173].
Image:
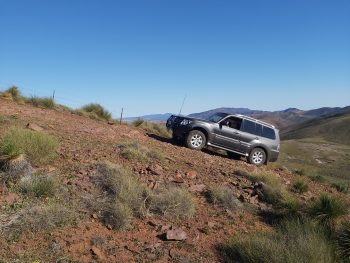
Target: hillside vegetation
[333, 129]
[78, 189]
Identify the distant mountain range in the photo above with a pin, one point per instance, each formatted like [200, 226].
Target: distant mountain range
[150, 117]
[281, 119]
[333, 128]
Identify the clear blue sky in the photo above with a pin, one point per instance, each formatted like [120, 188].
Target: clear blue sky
[146, 55]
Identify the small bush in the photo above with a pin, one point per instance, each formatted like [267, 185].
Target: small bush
[133, 151]
[124, 187]
[318, 178]
[341, 187]
[97, 110]
[40, 218]
[156, 128]
[117, 215]
[327, 210]
[223, 196]
[343, 240]
[46, 102]
[292, 242]
[38, 186]
[39, 147]
[14, 92]
[15, 168]
[272, 191]
[173, 202]
[300, 186]
[137, 122]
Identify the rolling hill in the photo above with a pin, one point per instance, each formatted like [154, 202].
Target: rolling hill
[333, 128]
[280, 119]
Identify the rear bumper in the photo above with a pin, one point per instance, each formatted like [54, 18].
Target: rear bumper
[273, 156]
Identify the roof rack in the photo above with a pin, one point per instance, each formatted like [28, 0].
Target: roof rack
[255, 120]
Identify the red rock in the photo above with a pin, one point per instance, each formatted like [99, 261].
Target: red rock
[198, 188]
[98, 253]
[34, 127]
[176, 234]
[191, 174]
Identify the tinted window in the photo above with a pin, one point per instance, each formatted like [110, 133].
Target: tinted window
[258, 129]
[268, 133]
[249, 127]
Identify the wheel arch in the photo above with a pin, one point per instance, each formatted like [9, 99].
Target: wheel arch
[205, 132]
[268, 154]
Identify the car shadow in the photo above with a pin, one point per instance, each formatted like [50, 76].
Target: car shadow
[208, 150]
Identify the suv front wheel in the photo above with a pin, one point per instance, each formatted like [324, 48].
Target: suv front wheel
[195, 140]
[257, 156]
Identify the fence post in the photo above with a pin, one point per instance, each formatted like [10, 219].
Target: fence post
[121, 116]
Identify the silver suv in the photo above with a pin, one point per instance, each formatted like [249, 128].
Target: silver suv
[237, 134]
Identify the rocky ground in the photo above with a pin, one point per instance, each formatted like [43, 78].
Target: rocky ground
[84, 143]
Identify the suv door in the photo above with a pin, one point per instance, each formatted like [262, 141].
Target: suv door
[227, 133]
[250, 134]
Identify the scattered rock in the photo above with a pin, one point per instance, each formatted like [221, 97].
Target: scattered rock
[11, 198]
[178, 179]
[34, 127]
[155, 169]
[98, 253]
[95, 216]
[176, 234]
[191, 174]
[198, 188]
[152, 247]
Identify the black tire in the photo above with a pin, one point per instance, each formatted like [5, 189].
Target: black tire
[257, 156]
[196, 140]
[234, 156]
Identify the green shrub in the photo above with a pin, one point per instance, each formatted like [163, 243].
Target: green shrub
[300, 186]
[343, 240]
[223, 196]
[327, 209]
[117, 215]
[124, 187]
[135, 151]
[156, 128]
[39, 147]
[341, 187]
[173, 202]
[15, 168]
[97, 110]
[40, 218]
[14, 92]
[318, 178]
[38, 185]
[46, 102]
[292, 242]
[137, 122]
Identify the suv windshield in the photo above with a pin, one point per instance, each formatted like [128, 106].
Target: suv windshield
[217, 117]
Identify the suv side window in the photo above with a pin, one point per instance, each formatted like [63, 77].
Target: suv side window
[248, 126]
[232, 122]
[268, 133]
[252, 128]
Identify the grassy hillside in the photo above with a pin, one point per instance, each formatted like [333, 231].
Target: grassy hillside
[334, 129]
[318, 159]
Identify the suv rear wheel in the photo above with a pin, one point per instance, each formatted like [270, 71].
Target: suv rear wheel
[257, 156]
[196, 140]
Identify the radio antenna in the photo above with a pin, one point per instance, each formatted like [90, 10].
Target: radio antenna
[183, 102]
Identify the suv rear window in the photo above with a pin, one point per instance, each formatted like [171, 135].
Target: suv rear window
[258, 129]
[251, 127]
[269, 133]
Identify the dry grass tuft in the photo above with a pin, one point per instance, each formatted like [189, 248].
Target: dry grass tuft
[173, 202]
